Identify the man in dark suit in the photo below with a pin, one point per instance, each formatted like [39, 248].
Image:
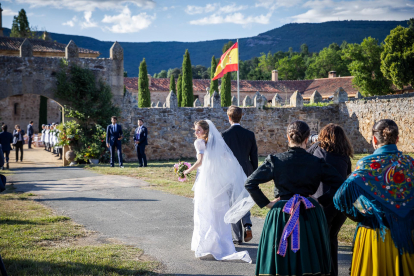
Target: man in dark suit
[140, 139]
[30, 134]
[6, 138]
[242, 143]
[18, 141]
[114, 136]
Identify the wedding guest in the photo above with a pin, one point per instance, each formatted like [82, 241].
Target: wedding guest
[42, 138]
[47, 136]
[18, 142]
[296, 175]
[114, 136]
[334, 147]
[141, 140]
[6, 138]
[379, 195]
[242, 143]
[30, 134]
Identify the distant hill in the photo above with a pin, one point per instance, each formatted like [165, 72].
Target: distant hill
[165, 55]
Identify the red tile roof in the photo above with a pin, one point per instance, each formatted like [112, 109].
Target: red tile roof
[326, 87]
[39, 45]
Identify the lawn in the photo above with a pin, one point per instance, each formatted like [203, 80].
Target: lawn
[161, 177]
[35, 241]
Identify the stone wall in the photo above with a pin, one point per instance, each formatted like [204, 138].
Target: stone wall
[170, 133]
[27, 110]
[37, 75]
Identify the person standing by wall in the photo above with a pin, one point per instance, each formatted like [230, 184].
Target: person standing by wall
[141, 140]
[42, 138]
[6, 138]
[18, 142]
[30, 134]
[242, 143]
[114, 136]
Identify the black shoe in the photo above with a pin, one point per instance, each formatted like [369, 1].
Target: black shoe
[237, 242]
[7, 165]
[248, 234]
[60, 158]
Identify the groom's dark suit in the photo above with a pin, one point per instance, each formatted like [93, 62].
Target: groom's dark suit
[242, 143]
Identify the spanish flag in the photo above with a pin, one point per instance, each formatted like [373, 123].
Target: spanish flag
[229, 62]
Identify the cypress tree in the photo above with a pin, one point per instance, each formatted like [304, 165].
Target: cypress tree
[144, 96]
[42, 112]
[20, 25]
[179, 89]
[226, 82]
[172, 84]
[187, 97]
[213, 84]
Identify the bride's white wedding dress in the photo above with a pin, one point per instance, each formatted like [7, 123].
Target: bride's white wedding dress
[219, 199]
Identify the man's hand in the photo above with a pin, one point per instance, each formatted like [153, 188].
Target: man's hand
[107, 145]
[120, 138]
[271, 203]
[136, 142]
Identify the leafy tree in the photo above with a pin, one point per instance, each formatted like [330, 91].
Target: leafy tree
[267, 63]
[344, 45]
[155, 76]
[179, 89]
[226, 81]
[144, 96]
[200, 72]
[172, 84]
[290, 51]
[90, 101]
[20, 25]
[292, 68]
[304, 50]
[175, 72]
[187, 82]
[397, 59]
[125, 74]
[411, 23]
[328, 59]
[365, 67]
[213, 83]
[162, 74]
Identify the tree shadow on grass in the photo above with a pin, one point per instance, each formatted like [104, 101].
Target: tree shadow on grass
[32, 267]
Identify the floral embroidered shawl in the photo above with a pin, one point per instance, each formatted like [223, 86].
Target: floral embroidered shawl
[382, 184]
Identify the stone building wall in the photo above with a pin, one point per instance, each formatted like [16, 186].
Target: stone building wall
[27, 110]
[170, 133]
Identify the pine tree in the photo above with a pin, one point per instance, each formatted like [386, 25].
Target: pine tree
[226, 82]
[172, 84]
[179, 89]
[144, 97]
[187, 96]
[213, 84]
[20, 25]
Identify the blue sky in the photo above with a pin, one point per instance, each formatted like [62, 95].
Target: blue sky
[184, 20]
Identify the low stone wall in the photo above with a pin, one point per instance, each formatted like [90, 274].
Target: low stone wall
[170, 131]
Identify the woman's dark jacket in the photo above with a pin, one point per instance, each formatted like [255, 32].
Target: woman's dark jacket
[293, 172]
[340, 162]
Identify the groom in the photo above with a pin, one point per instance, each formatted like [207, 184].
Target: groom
[242, 143]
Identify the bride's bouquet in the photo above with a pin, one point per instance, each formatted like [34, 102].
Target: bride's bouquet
[179, 169]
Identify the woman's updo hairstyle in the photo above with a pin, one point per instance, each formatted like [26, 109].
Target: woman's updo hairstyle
[298, 131]
[386, 132]
[204, 125]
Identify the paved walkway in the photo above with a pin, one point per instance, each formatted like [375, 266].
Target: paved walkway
[120, 207]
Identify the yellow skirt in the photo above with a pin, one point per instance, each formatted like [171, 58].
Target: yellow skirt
[374, 257]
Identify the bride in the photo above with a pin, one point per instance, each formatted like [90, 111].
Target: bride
[219, 195]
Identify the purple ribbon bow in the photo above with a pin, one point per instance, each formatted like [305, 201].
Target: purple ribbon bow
[292, 207]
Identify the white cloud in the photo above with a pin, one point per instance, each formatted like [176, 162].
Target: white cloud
[126, 23]
[235, 18]
[168, 8]
[274, 4]
[197, 9]
[232, 8]
[9, 12]
[71, 22]
[88, 23]
[329, 10]
[89, 5]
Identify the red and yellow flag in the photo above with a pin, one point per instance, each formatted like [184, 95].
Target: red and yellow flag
[229, 62]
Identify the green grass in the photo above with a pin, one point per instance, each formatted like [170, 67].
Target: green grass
[318, 104]
[34, 241]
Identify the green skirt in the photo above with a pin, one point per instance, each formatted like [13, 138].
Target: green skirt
[313, 257]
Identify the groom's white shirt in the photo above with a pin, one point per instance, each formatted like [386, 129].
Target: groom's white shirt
[235, 124]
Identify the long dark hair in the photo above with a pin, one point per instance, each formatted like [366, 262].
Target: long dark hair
[332, 138]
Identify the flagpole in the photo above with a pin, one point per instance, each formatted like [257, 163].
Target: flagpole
[238, 69]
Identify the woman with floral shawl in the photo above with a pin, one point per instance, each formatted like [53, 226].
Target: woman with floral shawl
[379, 195]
